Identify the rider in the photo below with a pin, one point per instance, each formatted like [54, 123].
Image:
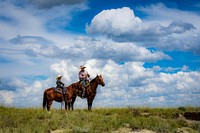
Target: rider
[84, 79]
[59, 83]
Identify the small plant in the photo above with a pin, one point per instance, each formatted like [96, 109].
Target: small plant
[135, 112]
[182, 109]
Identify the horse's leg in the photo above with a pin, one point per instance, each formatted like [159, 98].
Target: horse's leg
[66, 105]
[69, 99]
[49, 103]
[69, 105]
[72, 102]
[66, 101]
[90, 100]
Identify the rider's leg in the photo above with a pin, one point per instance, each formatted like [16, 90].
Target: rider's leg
[63, 89]
[87, 82]
[83, 88]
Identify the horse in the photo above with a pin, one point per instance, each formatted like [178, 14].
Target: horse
[90, 91]
[51, 95]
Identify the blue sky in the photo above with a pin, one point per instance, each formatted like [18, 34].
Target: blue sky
[147, 51]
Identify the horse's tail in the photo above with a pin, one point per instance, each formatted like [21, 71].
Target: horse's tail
[44, 100]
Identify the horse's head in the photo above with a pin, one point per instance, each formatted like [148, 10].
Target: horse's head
[99, 80]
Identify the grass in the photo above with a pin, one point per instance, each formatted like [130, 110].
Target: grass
[33, 120]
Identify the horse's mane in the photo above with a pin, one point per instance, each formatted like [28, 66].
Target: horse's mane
[92, 81]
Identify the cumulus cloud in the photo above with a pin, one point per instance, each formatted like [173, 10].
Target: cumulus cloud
[169, 69]
[179, 27]
[132, 84]
[88, 48]
[6, 97]
[129, 84]
[114, 22]
[24, 94]
[122, 25]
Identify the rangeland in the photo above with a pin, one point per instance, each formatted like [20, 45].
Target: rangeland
[106, 120]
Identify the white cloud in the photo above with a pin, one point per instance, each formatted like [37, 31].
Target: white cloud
[164, 32]
[37, 22]
[6, 97]
[114, 21]
[157, 99]
[126, 85]
[16, 24]
[68, 69]
[88, 48]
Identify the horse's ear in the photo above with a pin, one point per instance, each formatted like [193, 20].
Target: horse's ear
[98, 75]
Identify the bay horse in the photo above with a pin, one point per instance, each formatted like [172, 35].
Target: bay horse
[90, 93]
[51, 95]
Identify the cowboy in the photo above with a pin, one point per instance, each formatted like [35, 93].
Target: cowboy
[84, 79]
[59, 83]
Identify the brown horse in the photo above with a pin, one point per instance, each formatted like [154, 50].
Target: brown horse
[90, 91]
[51, 95]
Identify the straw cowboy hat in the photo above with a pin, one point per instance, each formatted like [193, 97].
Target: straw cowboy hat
[59, 76]
[82, 67]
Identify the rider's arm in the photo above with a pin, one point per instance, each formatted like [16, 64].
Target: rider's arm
[87, 74]
[81, 75]
[59, 82]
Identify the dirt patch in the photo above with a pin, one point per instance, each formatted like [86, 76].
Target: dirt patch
[185, 130]
[129, 130]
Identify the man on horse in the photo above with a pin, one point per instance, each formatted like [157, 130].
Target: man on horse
[60, 84]
[84, 79]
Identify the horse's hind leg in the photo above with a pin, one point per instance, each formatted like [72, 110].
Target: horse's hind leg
[69, 105]
[72, 102]
[49, 103]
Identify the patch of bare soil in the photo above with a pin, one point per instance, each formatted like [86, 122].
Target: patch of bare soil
[185, 130]
[129, 130]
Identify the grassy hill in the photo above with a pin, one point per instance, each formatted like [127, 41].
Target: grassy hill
[33, 120]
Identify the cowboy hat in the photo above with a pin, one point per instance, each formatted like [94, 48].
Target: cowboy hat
[82, 67]
[59, 76]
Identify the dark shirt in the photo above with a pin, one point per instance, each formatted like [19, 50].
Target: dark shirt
[59, 83]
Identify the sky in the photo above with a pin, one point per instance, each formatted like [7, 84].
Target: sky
[148, 52]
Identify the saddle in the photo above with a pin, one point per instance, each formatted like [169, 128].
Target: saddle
[87, 83]
[59, 90]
